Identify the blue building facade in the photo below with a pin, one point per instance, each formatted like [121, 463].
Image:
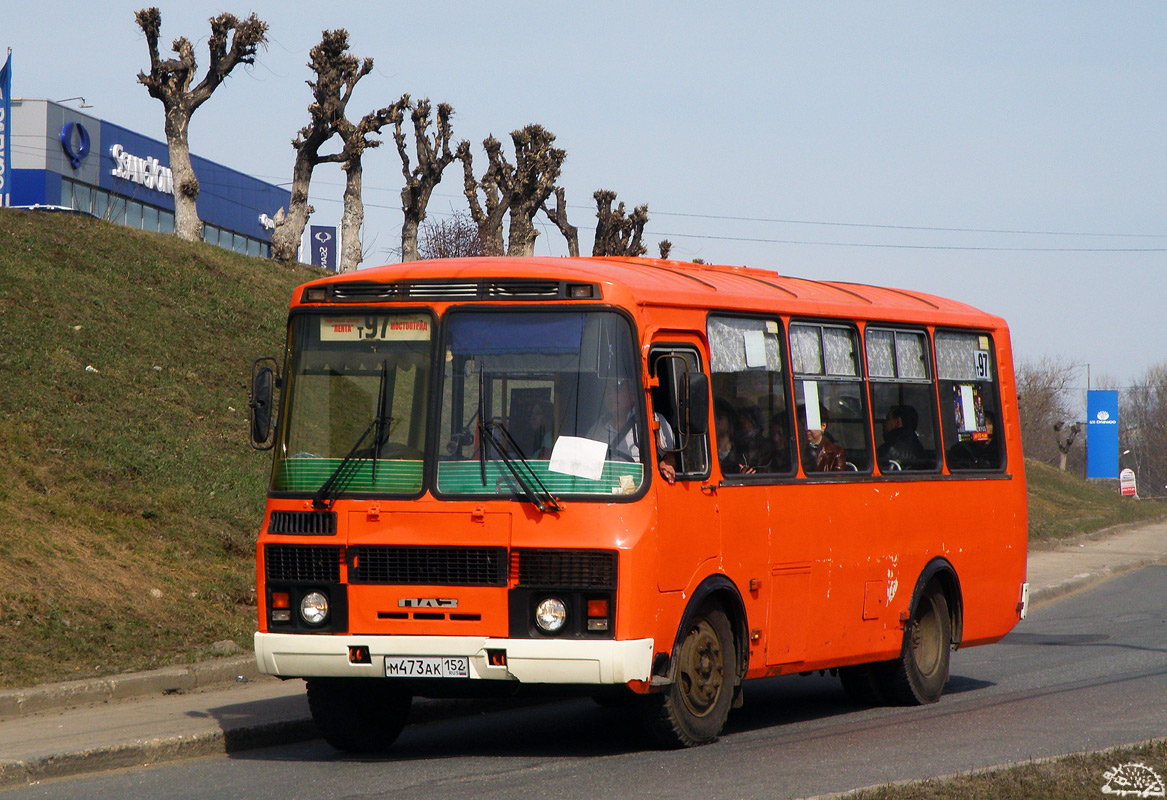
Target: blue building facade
[63, 157]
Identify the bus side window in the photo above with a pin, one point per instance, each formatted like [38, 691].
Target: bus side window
[969, 408]
[903, 404]
[688, 451]
[751, 408]
[828, 393]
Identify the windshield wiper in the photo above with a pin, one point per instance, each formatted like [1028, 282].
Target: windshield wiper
[340, 476]
[532, 487]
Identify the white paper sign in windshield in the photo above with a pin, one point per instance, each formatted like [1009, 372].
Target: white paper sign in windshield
[575, 455]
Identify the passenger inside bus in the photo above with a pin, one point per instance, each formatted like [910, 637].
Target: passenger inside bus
[727, 453]
[901, 448]
[972, 454]
[618, 427]
[820, 453]
[754, 448]
[781, 441]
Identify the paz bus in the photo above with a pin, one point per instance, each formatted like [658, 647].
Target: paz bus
[643, 480]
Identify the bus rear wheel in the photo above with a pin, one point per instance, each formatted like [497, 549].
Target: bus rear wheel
[918, 676]
[694, 708]
[358, 715]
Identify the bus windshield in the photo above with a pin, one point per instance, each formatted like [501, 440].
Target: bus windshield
[527, 386]
[357, 388]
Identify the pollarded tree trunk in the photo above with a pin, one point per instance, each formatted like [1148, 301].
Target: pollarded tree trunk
[187, 225]
[352, 219]
[289, 230]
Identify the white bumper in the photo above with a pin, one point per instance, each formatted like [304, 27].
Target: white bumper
[563, 661]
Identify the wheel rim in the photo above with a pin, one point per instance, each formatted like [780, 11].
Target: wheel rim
[925, 639]
[701, 669]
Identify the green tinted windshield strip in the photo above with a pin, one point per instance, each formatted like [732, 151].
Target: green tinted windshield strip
[395, 476]
[465, 477]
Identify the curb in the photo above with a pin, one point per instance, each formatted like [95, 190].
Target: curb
[220, 742]
[152, 751]
[16, 703]
[1085, 580]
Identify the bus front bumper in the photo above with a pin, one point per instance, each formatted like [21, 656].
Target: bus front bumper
[553, 661]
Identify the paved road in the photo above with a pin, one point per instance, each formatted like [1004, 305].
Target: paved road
[1085, 672]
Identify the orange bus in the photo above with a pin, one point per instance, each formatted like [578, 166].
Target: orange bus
[645, 480]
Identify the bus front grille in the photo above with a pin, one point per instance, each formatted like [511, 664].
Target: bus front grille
[567, 569]
[310, 523]
[430, 566]
[302, 563]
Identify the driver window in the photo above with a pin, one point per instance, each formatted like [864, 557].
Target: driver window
[689, 453]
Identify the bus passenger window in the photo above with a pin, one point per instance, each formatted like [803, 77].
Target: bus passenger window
[685, 453]
[828, 391]
[968, 401]
[751, 407]
[902, 400]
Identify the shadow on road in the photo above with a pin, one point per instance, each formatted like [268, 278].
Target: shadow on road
[572, 728]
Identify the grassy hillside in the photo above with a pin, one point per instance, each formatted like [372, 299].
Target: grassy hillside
[129, 499]
[1062, 505]
[128, 495]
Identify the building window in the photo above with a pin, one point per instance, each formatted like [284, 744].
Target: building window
[150, 218]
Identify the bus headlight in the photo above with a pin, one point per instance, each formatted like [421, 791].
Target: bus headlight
[550, 614]
[314, 608]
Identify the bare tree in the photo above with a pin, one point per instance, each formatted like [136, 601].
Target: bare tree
[618, 234]
[665, 247]
[1143, 420]
[455, 236]
[337, 72]
[1046, 405]
[170, 82]
[489, 218]
[559, 217]
[433, 156]
[519, 190]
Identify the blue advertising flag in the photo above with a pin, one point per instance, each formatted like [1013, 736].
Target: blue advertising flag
[322, 241]
[5, 129]
[1102, 434]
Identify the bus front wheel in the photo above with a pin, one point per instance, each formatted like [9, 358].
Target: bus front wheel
[694, 708]
[358, 715]
[918, 676]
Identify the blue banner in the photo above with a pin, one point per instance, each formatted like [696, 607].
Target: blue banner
[6, 129]
[1102, 434]
[322, 242]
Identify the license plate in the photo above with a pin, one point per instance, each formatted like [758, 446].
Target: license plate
[427, 667]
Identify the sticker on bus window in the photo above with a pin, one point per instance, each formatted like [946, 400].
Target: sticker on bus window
[810, 396]
[969, 411]
[383, 328]
[755, 348]
[983, 366]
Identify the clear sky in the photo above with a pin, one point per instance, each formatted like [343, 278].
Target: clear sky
[1010, 155]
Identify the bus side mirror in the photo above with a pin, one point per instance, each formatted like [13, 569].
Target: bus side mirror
[259, 402]
[695, 404]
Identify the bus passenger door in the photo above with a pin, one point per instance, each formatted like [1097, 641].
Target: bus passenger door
[688, 533]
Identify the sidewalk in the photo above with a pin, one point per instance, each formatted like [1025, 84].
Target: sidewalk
[224, 706]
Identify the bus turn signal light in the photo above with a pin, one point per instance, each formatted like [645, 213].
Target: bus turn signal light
[281, 600]
[597, 615]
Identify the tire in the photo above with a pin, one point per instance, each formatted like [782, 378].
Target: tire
[358, 715]
[918, 676]
[694, 708]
